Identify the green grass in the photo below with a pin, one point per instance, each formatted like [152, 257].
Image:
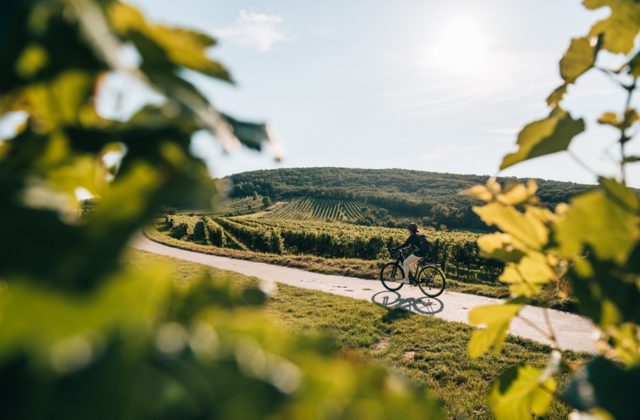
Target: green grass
[426, 349]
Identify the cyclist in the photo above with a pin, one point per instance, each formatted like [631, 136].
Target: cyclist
[420, 247]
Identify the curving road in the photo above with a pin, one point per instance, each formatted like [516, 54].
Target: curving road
[573, 332]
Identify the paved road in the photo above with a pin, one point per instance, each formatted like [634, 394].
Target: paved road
[573, 332]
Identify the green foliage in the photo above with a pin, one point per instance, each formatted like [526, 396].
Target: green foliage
[520, 392]
[620, 28]
[495, 319]
[215, 232]
[603, 384]
[589, 246]
[179, 231]
[199, 233]
[80, 335]
[578, 59]
[549, 135]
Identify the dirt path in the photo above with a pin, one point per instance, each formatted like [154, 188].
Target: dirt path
[573, 332]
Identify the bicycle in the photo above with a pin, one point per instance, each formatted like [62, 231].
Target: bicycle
[429, 278]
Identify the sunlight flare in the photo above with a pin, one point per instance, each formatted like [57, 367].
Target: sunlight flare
[460, 47]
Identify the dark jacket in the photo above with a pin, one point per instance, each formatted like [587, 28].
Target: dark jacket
[419, 244]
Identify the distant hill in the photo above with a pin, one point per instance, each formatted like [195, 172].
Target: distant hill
[428, 197]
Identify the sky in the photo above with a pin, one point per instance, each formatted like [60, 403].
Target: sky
[418, 84]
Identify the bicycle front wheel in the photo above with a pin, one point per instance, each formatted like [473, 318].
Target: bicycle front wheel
[391, 276]
[431, 281]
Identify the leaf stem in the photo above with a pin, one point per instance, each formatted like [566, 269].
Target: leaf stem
[623, 130]
[611, 76]
[582, 164]
[547, 320]
[538, 329]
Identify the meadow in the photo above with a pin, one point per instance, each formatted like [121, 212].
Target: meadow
[429, 351]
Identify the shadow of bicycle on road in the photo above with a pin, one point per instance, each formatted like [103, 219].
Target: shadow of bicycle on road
[393, 300]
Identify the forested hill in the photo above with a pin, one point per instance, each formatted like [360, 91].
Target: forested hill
[433, 198]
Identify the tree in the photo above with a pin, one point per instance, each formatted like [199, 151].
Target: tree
[593, 242]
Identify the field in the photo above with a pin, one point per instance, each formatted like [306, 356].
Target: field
[324, 209]
[427, 350]
[234, 207]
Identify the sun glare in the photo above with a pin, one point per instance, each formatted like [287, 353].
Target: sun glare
[459, 46]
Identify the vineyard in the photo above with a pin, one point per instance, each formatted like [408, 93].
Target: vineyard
[323, 209]
[226, 207]
[249, 204]
[455, 252]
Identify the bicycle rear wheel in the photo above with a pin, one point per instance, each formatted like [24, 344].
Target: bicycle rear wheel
[391, 276]
[431, 281]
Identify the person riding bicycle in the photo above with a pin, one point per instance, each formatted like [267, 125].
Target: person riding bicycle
[420, 247]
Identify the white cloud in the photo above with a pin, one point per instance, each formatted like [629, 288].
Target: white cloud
[254, 30]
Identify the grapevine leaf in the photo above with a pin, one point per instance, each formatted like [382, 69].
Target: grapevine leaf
[549, 135]
[479, 192]
[630, 117]
[623, 195]
[634, 65]
[625, 343]
[66, 100]
[127, 299]
[252, 135]
[609, 118]
[496, 319]
[526, 228]
[526, 277]
[554, 99]
[33, 59]
[181, 47]
[606, 293]
[620, 28]
[499, 246]
[520, 392]
[248, 133]
[512, 194]
[625, 121]
[603, 384]
[517, 193]
[605, 220]
[578, 59]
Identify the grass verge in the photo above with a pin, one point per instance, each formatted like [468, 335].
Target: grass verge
[426, 349]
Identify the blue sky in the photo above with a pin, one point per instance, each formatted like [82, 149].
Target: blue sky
[428, 85]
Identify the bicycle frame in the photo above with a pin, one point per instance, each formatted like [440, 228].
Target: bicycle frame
[400, 261]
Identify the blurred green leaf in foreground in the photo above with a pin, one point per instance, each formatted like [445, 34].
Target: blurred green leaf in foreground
[589, 247]
[82, 337]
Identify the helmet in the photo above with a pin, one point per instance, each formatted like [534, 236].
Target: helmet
[413, 227]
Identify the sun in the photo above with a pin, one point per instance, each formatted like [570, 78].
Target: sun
[460, 46]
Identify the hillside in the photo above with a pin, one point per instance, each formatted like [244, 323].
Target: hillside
[428, 197]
